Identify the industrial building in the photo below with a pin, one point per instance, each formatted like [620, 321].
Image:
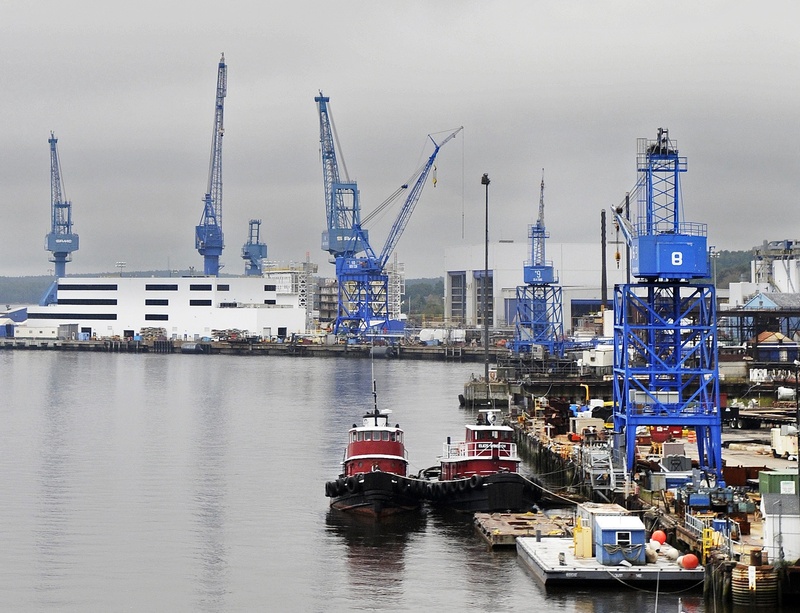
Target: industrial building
[579, 267]
[186, 308]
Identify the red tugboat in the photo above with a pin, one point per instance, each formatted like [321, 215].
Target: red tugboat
[481, 474]
[374, 480]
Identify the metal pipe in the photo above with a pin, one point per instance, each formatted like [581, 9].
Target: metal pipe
[485, 182]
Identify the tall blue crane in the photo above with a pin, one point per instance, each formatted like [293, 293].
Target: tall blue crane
[363, 285]
[61, 241]
[665, 340]
[254, 251]
[539, 317]
[209, 239]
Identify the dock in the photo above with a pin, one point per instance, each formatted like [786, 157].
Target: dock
[503, 529]
[553, 562]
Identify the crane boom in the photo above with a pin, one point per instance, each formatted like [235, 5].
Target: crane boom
[363, 283]
[537, 244]
[342, 206]
[209, 239]
[403, 217]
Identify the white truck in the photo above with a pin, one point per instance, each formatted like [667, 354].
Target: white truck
[784, 442]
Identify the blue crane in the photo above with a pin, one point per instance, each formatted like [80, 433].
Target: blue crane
[539, 315]
[254, 251]
[665, 340]
[363, 285]
[61, 241]
[209, 239]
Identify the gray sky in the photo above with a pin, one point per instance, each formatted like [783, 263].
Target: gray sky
[128, 89]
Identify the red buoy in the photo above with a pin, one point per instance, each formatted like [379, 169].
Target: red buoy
[659, 536]
[690, 561]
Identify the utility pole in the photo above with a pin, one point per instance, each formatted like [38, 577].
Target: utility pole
[485, 182]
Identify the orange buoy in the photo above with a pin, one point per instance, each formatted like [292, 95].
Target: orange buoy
[659, 536]
[690, 561]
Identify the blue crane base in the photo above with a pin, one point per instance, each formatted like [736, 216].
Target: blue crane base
[665, 367]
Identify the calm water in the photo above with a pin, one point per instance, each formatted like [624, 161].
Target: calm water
[196, 483]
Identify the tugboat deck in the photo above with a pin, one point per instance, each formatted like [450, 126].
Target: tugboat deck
[542, 557]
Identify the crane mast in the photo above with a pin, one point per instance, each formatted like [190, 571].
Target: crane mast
[665, 339]
[363, 284]
[254, 251]
[61, 241]
[209, 239]
[539, 319]
[342, 207]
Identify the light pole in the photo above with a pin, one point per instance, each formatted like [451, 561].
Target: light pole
[797, 409]
[714, 255]
[485, 182]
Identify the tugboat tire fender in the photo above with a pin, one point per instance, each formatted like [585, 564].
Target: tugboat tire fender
[475, 481]
[352, 484]
[463, 485]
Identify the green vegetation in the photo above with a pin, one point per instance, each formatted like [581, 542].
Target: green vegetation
[425, 297]
[732, 267]
[22, 290]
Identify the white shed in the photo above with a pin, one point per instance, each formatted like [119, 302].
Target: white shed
[781, 513]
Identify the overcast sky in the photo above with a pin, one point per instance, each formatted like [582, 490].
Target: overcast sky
[568, 87]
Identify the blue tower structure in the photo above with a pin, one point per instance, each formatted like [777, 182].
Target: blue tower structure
[363, 284]
[209, 239]
[665, 342]
[539, 315]
[254, 251]
[61, 241]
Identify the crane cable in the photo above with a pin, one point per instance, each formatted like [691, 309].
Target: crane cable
[412, 179]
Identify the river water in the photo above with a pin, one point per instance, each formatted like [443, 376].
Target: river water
[196, 483]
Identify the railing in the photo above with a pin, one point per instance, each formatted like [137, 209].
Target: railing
[481, 450]
[724, 541]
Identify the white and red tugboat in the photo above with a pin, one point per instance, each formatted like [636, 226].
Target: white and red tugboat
[481, 474]
[374, 478]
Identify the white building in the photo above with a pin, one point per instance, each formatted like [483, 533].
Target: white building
[186, 307]
[577, 265]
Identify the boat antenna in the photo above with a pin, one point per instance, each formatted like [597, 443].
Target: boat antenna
[374, 384]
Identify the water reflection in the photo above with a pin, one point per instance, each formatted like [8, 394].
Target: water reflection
[375, 553]
[210, 494]
[54, 506]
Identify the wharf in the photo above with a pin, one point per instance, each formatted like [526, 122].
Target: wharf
[245, 347]
[503, 529]
[553, 562]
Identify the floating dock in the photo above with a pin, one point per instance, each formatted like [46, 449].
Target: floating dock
[503, 529]
[553, 562]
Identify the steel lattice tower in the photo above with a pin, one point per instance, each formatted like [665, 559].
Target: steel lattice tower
[665, 341]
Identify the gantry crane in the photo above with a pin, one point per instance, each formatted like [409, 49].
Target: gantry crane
[363, 294]
[665, 341]
[539, 315]
[254, 251]
[209, 239]
[61, 241]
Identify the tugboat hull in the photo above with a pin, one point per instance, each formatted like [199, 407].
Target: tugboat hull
[499, 492]
[376, 494]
